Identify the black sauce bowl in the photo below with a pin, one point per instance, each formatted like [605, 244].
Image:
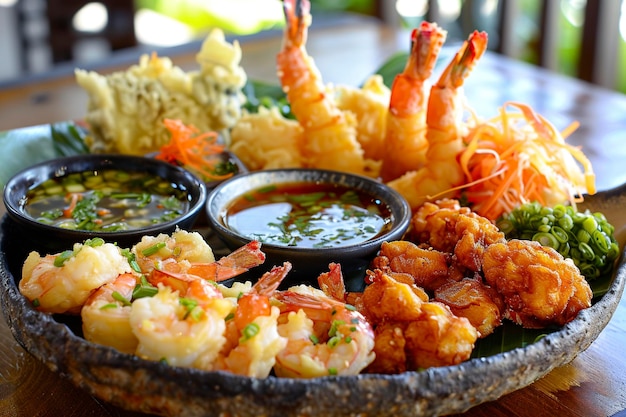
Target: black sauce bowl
[51, 239]
[309, 263]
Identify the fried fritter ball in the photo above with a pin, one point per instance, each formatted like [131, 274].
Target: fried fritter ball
[411, 332]
[448, 227]
[539, 286]
[477, 302]
[429, 268]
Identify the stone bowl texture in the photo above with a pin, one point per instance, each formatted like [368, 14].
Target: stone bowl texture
[135, 384]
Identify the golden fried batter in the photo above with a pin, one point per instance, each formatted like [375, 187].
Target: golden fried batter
[438, 338]
[389, 346]
[540, 287]
[448, 227]
[387, 298]
[429, 268]
[477, 302]
[410, 332]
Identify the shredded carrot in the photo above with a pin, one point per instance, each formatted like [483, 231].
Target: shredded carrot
[518, 157]
[74, 198]
[192, 150]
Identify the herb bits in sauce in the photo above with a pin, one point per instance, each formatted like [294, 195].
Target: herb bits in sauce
[308, 215]
[106, 201]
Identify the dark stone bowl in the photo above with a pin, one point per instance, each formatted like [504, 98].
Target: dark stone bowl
[309, 263]
[153, 387]
[51, 239]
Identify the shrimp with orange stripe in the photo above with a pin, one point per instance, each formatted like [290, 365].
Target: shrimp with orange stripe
[252, 338]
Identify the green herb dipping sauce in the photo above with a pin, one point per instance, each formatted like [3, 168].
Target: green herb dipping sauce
[308, 215]
[106, 201]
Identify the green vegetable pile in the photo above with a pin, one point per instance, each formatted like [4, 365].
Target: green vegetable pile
[587, 238]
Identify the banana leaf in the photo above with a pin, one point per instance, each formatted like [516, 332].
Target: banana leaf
[31, 145]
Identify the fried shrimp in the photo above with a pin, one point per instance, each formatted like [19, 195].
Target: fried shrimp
[539, 286]
[267, 140]
[330, 139]
[477, 302]
[324, 336]
[455, 229]
[411, 332]
[445, 130]
[369, 106]
[62, 283]
[428, 268]
[405, 138]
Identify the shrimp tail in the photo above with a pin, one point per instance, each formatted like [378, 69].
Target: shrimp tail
[269, 282]
[296, 13]
[464, 61]
[236, 263]
[332, 282]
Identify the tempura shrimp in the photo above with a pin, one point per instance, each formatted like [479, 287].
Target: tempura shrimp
[252, 338]
[329, 134]
[405, 138]
[445, 129]
[61, 283]
[325, 336]
[181, 329]
[106, 315]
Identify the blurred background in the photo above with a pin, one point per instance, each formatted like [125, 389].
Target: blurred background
[37, 35]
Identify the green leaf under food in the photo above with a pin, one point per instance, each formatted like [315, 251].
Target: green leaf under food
[259, 94]
[396, 63]
[68, 139]
[30, 145]
[392, 67]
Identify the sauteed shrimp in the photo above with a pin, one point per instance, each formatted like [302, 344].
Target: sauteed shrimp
[62, 283]
[325, 337]
[151, 251]
[252, 338]
[106, 315]
[182, 329]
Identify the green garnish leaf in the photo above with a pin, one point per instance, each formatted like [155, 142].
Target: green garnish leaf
[63, 257]
[151, 250]
[120, 298]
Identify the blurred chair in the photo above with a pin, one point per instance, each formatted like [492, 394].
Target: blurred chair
[599, 41]
[597, 61]
[60, 35]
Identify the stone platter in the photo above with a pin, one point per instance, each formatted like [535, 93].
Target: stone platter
[135, 384]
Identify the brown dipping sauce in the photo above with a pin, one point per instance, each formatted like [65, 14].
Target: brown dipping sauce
[308, 215]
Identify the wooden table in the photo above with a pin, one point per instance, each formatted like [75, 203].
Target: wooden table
[594, 384]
